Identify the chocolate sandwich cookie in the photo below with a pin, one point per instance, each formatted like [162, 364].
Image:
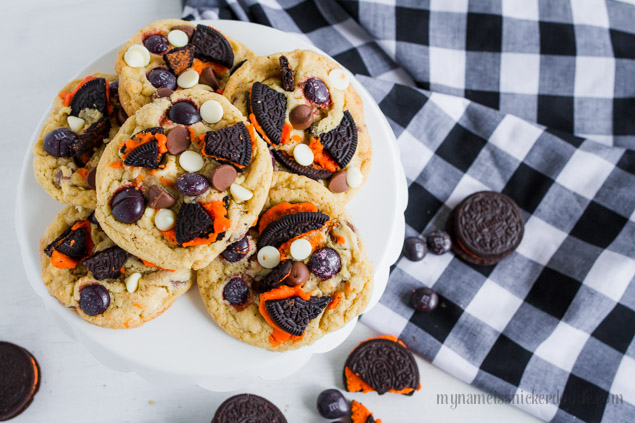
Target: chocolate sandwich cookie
[300, 272]
[19, 380]
[486, 227]
[173, 54]
[86, 115]
[303, 105]
[383, 365]
[248, 408]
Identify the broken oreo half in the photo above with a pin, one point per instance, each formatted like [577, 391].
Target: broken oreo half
[341, 141]
[212, 46]
[293, 314]
[179, 59]
[231, 145]
[86, 144]
[312, 171]
[192, 222]
[275, 278]
[92, 94]
[269, 108]
[106, 264]
[291, 226]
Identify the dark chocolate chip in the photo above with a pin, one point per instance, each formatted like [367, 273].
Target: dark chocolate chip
[231, 145]
[286, 74]
[325, 263]
[293, 314]
[424, 299]
[94, 299]
[338, 182]
[291, 226]
[223, 177]
[90, 178]
[91, 95]
[121, 116]
[236, 291]
[275, 278]
[312, 171]
[439, 242]
[341, 141]
[208, 77]
[158, 198]
[192, 221]
[179, 59]
[299, 274]
[248, 408]
[414, 248]
[269, 108]
[106, 264]
[113, 88]
[212, 46]
[237, 251]
[162, 92]
[59, 141]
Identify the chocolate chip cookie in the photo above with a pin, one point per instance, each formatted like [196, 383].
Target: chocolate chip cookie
[300, 272]
[303, 105]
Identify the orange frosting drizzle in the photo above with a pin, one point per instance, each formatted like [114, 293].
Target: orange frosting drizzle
[279, 336]
[335, 300]
[148, 264]
[322, 157]
[280, 210]
[340, 240]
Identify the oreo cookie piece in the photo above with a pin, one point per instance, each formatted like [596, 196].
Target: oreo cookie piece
[312, 171]
[146, 155]
[275, 278]
[487, 227]
[248, 408]
[74, 245]
[238, 65]
[269, 108]
[293, 314]
[291, 226]
[179, 59]
[341, 141]
[91, 95]
[212, 46]
[286, 74]
[19, 380]
[192, 222]
[231, 145]
[106, 264]
[383, 365]
[84, 148]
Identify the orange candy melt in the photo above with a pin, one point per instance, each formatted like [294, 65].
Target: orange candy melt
[62, 261]
[359, 413]
[148, 264]
[322, 157]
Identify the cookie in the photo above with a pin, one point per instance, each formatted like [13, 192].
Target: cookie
[86, 272]
[20, 378]
[86, 115]
[303, 106]
[486, 227]
[360, 414]
[157, 55]
[175, 189]
[248, 408]
[383, 365]
[300, 272]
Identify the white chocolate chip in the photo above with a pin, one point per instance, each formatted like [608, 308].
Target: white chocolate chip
[191, 161]
[301, 249]
[354, 177]
[165, 219]
[303, 154]
[269, 257]
[144, 52]
[211, 111]
[134, 59]
[149, 213]
[339, 79]
[187, 79]
[178, 38]
[79, 209]
[240, 193]
[132, 283]
[76, 124]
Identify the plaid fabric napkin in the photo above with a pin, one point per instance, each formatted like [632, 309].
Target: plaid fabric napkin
[551, 327]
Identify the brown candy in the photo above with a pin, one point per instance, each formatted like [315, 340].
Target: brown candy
[189, 30]
[338, 183]
[178, 140]
[158, 198]
[299, 274]
[90, 178]
[162, 92]
[208, 77]
[301, 116]
[121, 116]
[223, 177]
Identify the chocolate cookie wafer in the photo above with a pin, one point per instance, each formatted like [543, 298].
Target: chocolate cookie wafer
[19, 380]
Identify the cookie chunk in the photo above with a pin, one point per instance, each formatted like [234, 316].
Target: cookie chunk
[182, 177]
[300, 272]
[86, 272]
[304, 107]
[86, 115]
[160, 53]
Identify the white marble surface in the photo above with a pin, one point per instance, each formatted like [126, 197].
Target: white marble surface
[45, 42]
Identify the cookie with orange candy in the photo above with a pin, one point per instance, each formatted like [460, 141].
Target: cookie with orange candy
[360, 414]
[174, 54]
[300, 272]
[106, 286]
[382, 364]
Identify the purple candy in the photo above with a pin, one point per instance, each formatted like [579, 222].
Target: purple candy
[128, 205]
[94, 299]
[162, 78]
[236, 291]
[325, 263]
[157, 44]
[236, 251]
[58, 142]
[331, 404]
[184, 112]
[192, 184]
[316, 91]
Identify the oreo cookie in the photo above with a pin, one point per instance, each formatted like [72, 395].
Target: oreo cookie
[293, 314]
[106, 264]
[341, 141]
[231, 145]
[91, 95]
[286, 74]
[212, 46]
[192, 222]
[269, 108]
[84, 148]
[383, 365]
[146, 155]
[275, 278]
[312, 171]
[19, 380]
[291, 226]
[248, 408]
[486, 227]
[179, 59]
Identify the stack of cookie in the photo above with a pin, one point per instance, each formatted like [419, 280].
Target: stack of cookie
[200, 162]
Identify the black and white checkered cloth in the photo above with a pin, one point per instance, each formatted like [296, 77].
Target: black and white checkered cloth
[555, 319]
